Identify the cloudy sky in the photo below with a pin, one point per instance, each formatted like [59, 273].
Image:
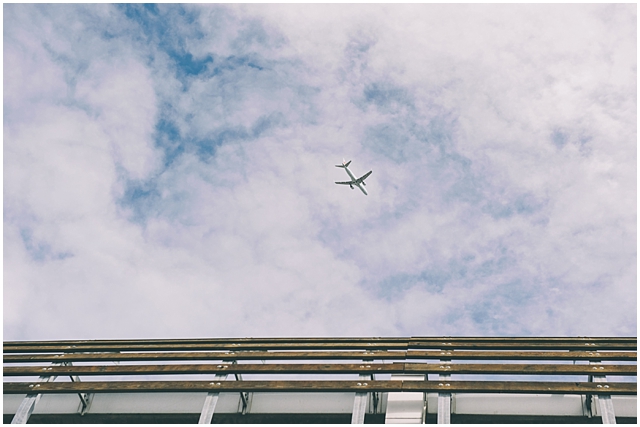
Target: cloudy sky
[169, 170]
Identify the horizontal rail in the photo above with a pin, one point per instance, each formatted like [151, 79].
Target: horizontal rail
[530, 339]
[204, 347]
[461, 345]
[326, 355]
[357, 368]
[238, 346]
[205, 369]
[321, 386]
[329, 340]
[213, 341]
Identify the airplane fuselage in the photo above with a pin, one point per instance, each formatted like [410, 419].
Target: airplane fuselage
[353, 178]
[358, 182]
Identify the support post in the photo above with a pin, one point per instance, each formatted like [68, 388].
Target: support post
[85, 398]
[245, 398]
[406, 407]
[210, 403]
[603, 401]
[29, 402]
[375, 399]
[605, 404]
[25, 409]
[444, 399]
[360, 404]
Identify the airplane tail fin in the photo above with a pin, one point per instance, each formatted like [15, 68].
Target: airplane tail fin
[344, 164]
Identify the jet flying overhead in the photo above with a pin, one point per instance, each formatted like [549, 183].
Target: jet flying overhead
[358, 182]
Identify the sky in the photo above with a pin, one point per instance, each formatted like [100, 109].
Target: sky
[169, 170]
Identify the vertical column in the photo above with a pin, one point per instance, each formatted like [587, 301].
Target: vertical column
[210, 403]
[360, 404]
[603, 401]
[406, 407]
[444, 399]
[585, 399]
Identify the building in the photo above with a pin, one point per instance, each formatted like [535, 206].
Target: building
[322, 380]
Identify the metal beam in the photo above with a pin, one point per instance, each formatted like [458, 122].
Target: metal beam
[604, 402]
[85, 398]
[444, 407]
[244, 406]
[210, 403]
[25, 409]
[223, 356]
[406, 407]
[568, 406]
[28, 404]
[360, 402]
[444, 399]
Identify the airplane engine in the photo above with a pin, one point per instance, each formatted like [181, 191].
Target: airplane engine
[351, 186]
[364, 183]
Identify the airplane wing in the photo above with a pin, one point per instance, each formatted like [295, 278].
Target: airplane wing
[363, 177]
[346, 182]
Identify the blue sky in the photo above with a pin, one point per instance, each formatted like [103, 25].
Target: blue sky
[169, 169]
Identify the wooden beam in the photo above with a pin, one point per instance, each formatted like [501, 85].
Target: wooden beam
[375, 345]
[240, 355]
[338, 368]
[329, 340]
[216, 341]
[234, 346]
[522, 355]
[519, 369]
[515, 345]
[280, 368]
[326, 355]
[527, 387]
[322, 386]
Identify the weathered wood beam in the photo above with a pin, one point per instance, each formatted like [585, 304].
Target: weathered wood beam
[322, 386]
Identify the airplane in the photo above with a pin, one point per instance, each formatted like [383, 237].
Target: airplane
[354, 181]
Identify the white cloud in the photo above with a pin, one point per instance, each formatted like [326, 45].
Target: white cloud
[145, 198]
[119, 94]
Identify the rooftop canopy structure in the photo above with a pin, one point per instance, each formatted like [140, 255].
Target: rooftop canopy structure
[325, 380]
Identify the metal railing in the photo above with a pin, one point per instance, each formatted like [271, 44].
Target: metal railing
[601, 361]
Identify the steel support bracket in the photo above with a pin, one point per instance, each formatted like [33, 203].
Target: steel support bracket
[376, 399]
[85, 398]
[29, 402]
[245, 398]
[85, 403]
